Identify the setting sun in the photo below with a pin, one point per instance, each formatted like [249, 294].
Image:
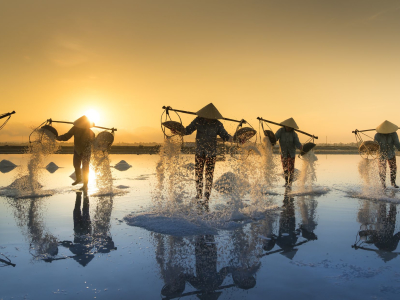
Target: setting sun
[93, 116]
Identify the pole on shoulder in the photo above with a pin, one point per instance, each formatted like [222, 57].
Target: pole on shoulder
[65, 122]
[305, 133]
[168, 108]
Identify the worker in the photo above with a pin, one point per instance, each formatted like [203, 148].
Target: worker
[288, 142]
[83, 139]
[388, 140]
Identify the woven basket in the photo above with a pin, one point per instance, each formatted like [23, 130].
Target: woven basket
[244, 134]
[175, 126]
[271, 136]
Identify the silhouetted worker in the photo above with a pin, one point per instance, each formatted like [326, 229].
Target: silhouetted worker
[208, 127]
[388, 140]
[288, 142]
[83, 139]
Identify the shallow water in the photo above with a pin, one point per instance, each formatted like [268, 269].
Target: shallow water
[299, 245]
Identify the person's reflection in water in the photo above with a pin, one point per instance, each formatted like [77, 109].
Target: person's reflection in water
[288, 235]
[308, 209]
[208, 280]
[82, 244]
[382, 234]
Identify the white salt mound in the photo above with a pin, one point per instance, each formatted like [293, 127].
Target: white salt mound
[6, 164]
[73, 176]
[122, 187]
[25, 183]
[122, 166]
[52, 167]
[228, 181]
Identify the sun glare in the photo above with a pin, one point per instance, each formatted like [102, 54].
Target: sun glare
[93, 116]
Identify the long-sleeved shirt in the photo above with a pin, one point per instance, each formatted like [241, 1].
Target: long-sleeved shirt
[288, 142]
[387, 144]
[83, 139]
[206, 137]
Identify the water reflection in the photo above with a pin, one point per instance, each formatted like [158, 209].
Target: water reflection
[90, 237]
[178, 267]
[208, 265]
[29, 217]
[378, 226]
[5, 262]
[288, 233]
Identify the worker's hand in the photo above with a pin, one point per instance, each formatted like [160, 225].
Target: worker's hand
[57, 138]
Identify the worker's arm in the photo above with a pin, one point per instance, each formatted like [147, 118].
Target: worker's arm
[67, 136]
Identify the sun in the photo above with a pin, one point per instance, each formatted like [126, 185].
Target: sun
[93, 115]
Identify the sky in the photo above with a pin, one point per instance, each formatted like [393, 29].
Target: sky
[333, 66]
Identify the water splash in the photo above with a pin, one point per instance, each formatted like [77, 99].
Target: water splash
[101, 165]
[268, 162]
[369, 173]
[308, 171]
[171, 175]
[28, 179]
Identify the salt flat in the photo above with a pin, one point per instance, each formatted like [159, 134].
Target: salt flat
[127, 243]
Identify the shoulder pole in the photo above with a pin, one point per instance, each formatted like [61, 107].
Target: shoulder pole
[168, 108]
[65, 122]
[305, 133]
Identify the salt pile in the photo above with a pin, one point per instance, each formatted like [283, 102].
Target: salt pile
[52, 167]
[122, 166]
[25, 183]
[73, 176]
[6, 166]
[228, 182]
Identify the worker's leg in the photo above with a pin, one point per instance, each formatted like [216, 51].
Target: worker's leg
[85, 169]
[199, 171]
[382, 171]
[393, 171]
[77, 160]
[210, 166]
[290, 166]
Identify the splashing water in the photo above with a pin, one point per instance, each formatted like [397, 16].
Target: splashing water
[175, 210]
[369, 173]
[307, 174]
[44, 144]
[172, 177]
[100, 163]
[268, 162]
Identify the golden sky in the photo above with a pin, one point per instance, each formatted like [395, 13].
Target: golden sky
[331, 65]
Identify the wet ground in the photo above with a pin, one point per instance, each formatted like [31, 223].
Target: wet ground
[325, 243]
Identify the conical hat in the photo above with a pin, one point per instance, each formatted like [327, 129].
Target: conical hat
[387, 127]
[83, 122]
[209, 112]
[290, 123]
